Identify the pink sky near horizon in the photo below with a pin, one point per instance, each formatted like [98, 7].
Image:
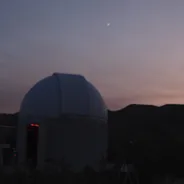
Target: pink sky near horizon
[139, 58]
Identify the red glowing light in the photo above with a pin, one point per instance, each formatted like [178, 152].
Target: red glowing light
[34, 125]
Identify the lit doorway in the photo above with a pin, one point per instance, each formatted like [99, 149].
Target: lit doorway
[32, 144]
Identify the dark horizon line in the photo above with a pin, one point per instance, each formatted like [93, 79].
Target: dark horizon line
[119, 109]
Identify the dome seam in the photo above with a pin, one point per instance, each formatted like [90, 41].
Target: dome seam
[59, 94]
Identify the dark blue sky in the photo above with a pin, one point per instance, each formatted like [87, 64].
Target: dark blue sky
[137, 59]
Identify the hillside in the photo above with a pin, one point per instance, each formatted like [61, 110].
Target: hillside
[140, 134]
[9, 119]
[149, 136]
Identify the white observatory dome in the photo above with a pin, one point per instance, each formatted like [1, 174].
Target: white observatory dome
[63, 94]
[71, 120]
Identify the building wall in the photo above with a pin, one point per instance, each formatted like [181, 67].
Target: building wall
[78, 142]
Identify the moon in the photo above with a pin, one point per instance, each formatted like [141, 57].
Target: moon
[108, 24]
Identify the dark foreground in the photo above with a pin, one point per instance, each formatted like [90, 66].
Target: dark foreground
[88, 176]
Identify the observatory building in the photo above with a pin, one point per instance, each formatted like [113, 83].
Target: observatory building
[62, 118]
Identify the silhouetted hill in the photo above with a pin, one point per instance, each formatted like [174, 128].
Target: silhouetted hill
[9, 119]
[148, 134]
[137, 108]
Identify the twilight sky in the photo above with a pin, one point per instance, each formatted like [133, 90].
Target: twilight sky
[139, 58]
